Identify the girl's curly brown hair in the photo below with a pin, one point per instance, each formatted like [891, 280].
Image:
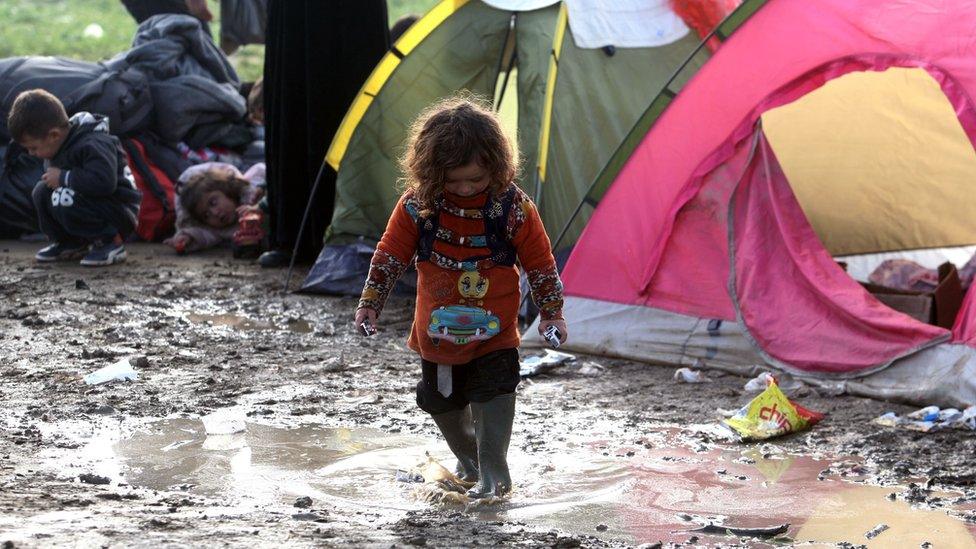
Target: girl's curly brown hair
[227, 181]
[449, 134]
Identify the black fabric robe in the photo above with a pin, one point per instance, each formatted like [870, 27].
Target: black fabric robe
[318, 55]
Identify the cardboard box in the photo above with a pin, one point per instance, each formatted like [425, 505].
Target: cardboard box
[938, 307]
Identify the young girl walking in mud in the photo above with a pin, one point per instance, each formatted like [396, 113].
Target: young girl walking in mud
[466, 223]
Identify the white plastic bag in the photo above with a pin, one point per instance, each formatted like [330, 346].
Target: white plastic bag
[120, 371]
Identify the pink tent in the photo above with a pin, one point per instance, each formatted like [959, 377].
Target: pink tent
[701, 226]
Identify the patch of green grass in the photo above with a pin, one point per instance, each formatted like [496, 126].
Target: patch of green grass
[57, 27]
[398, 8]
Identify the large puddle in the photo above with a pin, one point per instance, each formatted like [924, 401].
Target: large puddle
[660, 489]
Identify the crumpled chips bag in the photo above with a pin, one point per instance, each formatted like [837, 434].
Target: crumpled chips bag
[770, 415]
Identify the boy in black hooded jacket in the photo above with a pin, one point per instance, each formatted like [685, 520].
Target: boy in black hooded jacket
[87, 202]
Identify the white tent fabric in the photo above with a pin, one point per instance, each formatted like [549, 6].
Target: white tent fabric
[520, 5]
[943, 375]
[624, 23]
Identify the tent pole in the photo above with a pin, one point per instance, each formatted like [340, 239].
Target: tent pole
[671, 80]
[508, 72]
[301, 228]
[501, 61]
[572, 218]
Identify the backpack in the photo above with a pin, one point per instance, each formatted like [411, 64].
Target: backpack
[157, 212]
[19, 173]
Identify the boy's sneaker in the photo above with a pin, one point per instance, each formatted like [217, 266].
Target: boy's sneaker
[105, 253]
[60, 251]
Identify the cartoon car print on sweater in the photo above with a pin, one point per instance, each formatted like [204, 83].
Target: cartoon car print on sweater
[459, 324]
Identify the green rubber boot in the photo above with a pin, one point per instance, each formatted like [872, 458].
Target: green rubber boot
[459, 432]
[493, 430]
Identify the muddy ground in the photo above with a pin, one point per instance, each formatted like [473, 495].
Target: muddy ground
[294, 361]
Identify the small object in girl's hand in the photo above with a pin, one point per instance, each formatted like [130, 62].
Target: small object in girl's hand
[366, 328]
[180, 247]
[552, 335]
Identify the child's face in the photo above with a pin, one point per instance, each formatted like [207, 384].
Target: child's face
[217, 210]
[44, 147]
[467, 180]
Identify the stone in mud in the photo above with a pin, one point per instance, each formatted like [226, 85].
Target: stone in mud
[422, 523]
[139, 362]
[75, 502]
[326, 330]
[80, 284]
[567, 543]
[916, 493]
[103, 410]
[303, 502]
[314, 517]
[89, 478]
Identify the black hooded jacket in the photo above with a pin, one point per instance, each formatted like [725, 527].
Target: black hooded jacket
[93, 163]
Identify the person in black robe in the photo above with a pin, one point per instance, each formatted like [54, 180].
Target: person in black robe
[317, 57]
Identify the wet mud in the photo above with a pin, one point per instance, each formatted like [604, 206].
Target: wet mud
[615, 456]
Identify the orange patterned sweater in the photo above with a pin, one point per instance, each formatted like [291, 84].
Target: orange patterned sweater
[466, 307]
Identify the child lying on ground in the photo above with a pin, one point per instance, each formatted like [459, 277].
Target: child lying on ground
[212, 198]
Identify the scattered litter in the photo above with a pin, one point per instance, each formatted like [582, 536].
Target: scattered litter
[80, 284]
[888, 419]
[120, 371]
[360, 400]
[759, 383]
[225, 421]
[535, 365]
[930, 419]
[763, 532]
[303, 502]
[408, 476]
[89, 478]
[591, 369]
[929, 413]
[687, 375]
[876, 531]
[770, 415]
[787, 383]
